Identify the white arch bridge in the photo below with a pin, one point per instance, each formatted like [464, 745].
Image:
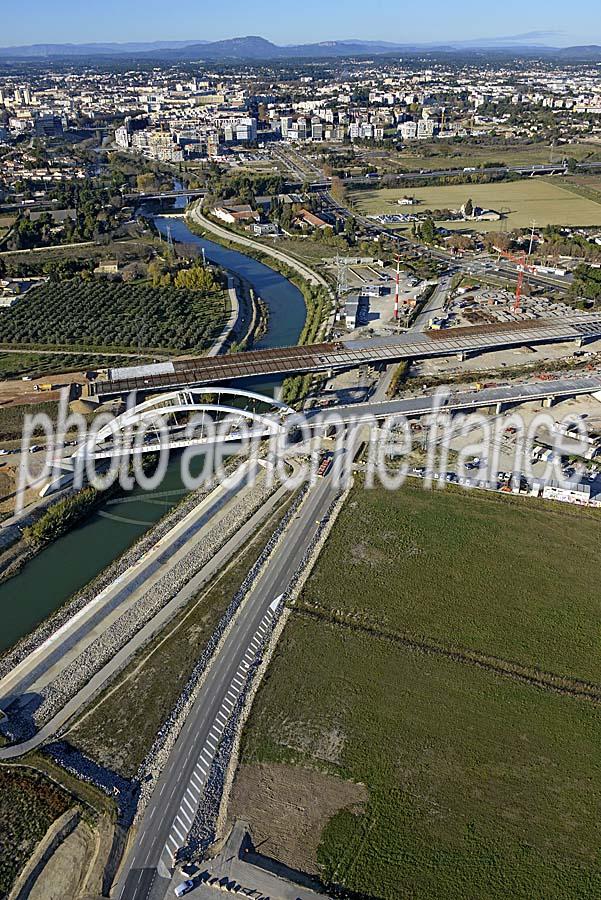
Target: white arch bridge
[156, 425]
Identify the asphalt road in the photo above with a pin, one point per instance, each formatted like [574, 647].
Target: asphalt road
[434, 306]
[140, 878]
[141, 638]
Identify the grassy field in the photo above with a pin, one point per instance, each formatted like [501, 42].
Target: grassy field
[481, 785]
[29, 804]
[305, 249]
[6, 223]
[449, 155]
[478, 787]
[467, 569]
[33, 363]
[522, 202]
[12, 418]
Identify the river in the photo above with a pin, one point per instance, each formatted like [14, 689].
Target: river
[68, 564]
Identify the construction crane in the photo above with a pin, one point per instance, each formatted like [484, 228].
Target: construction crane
[396, 290]
[522, 266]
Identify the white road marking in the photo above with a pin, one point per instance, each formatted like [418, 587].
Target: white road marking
[181, 836]
[186, 816]
[189, 805]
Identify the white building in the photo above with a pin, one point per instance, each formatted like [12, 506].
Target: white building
[122, 137]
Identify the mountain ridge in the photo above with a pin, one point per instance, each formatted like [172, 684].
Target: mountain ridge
[255, 47]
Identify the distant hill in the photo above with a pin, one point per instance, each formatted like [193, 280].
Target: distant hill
[253, 47]
[590, 53]
[30, 51]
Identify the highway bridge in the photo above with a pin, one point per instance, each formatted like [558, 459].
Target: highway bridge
[333, 356]
[501, 396]
[118, 438]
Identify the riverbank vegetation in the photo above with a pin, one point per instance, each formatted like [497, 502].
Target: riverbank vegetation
[62, 516]
[319, 304]
[432, 657]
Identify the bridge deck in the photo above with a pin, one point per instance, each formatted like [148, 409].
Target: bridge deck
[340, 355]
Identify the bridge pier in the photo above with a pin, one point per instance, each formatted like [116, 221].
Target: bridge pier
[500, 407]
[548, 402]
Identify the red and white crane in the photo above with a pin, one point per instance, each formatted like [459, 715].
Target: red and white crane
[522, 266]
[396, 291]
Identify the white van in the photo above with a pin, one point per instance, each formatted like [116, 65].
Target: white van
[184, 888]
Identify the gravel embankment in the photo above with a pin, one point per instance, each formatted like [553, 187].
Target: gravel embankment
[127, 559]
[78, 673]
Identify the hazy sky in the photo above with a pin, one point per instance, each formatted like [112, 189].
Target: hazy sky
[296, 21]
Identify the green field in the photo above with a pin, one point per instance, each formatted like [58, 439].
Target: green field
[444, 155]
[481, 785]
[467, 568]
[521, 202]
[479, 788]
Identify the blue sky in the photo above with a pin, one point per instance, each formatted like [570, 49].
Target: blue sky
[296, 21]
